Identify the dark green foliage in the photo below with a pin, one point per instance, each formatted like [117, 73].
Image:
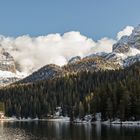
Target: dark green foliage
[116, 94]
[2, 108]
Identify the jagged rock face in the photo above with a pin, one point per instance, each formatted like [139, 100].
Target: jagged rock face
[127, 50]
[121, 48]
[126, 42]
[74, 59]
[7, 62]
[131, 60]
[116, 58]
[111, 57]
[134, 39]
[7, 68]
[101, 54]
[122, 45]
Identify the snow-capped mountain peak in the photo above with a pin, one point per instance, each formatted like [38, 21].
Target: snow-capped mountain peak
[127, 48]
[8, 72]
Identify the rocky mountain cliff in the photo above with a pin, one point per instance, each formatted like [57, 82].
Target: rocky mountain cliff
[7, 62]
[8, 72]
[74, 59]
[127, 49]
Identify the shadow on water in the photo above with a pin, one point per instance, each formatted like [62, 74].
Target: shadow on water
[65, 131]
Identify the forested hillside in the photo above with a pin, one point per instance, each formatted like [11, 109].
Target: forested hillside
[116, 94]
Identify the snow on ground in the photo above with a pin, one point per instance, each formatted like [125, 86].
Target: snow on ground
[117, 122]
[133, 52]
[21, 74]
[59, 119]
[14, 119]
[8, 74]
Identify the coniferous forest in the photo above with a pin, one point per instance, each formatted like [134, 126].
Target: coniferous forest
[116, 94]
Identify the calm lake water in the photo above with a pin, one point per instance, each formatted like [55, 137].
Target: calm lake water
[65, 131]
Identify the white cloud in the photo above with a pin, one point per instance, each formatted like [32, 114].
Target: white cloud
[34, 52]
[126, 31]
[103, 45]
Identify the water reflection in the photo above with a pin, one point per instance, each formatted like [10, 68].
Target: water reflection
[65, 131]
[13, 133]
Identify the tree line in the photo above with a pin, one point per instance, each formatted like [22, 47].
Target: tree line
[116, 94]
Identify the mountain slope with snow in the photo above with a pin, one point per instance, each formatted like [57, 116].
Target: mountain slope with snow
[125, 52]
[8, 71]
[127, 49]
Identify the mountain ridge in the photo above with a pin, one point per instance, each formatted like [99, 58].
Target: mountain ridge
[125, 52]
[86, 64]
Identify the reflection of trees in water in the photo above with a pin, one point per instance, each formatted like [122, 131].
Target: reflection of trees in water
[65, 131]
[9, 131]
[98, 130]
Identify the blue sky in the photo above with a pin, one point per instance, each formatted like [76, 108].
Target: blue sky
[93, 18]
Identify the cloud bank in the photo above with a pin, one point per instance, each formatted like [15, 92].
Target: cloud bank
[32, 53]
